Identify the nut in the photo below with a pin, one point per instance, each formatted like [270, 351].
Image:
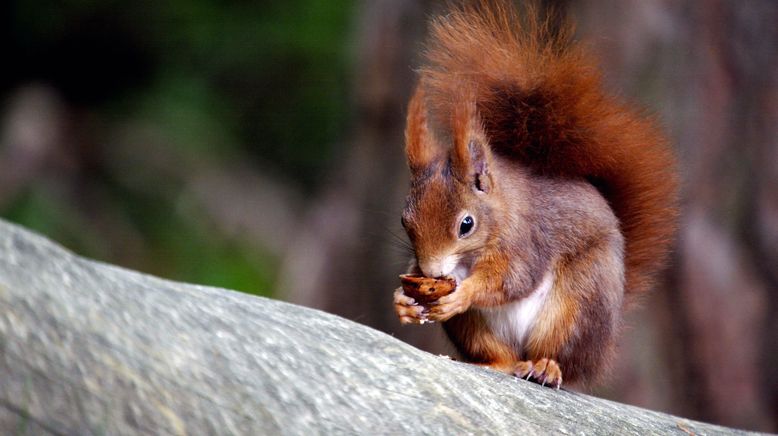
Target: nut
[426, 289]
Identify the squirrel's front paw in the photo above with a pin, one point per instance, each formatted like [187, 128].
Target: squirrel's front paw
[450, 305]
[544, 371]
[407, 309]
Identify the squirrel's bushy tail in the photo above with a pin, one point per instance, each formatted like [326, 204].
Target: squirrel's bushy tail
[541, 101]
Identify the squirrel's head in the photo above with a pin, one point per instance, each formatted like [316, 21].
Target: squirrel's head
[450, 210]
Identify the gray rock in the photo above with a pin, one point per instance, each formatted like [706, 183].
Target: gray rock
[88, 348]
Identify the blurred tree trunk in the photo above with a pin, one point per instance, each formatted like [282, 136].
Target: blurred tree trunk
[349, 244]
[704, 346]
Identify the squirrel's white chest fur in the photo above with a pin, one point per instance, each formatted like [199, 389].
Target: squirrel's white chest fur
[512, 322]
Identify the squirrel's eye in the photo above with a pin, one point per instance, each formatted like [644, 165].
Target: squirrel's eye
[466, 226]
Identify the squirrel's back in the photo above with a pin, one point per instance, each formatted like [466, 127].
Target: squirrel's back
[542, 103]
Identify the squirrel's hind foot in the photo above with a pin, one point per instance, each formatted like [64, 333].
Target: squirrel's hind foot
[544, 371]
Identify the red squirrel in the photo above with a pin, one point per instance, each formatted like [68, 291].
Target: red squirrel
[551, 203]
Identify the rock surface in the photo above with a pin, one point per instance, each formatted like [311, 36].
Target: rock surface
[88, 348]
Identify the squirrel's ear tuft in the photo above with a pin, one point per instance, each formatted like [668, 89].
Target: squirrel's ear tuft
[420, 146]
[471, 156]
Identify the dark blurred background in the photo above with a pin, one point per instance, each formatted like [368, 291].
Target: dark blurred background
[258, 146]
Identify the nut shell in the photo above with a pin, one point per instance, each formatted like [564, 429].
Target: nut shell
[426, 289]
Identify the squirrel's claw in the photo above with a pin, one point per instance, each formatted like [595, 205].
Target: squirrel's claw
[544, 371]
[407, 309]
[450, 305]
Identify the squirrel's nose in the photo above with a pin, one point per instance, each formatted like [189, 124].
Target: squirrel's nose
[430, 269]
[438, 267]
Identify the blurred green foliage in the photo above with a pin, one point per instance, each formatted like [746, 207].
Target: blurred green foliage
[263, 82]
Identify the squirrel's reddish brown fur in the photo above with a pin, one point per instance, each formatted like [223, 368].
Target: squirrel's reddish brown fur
[541, 100]
[553, 204]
